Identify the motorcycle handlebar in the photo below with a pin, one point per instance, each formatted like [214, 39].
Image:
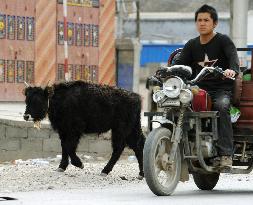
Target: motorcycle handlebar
[219, 70]
[207, 70]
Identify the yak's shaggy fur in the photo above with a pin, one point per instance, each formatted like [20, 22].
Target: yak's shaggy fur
[80, 107]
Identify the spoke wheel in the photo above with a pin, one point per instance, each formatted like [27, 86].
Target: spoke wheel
[161, 176]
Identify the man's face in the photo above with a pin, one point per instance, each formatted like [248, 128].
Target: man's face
[205, 24]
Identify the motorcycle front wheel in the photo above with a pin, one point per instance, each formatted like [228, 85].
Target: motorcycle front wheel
[161, 177]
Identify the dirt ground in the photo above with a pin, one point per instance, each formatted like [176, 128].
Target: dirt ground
[40, 174]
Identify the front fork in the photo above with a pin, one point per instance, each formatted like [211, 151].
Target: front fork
[177, 135]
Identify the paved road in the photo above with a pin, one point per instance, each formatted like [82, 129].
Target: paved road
[232, 190]
[12, 110]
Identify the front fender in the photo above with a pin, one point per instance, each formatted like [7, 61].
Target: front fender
[164, 122]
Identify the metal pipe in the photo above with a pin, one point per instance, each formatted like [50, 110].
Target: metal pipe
[138, 19]
[65, 26]
[177, 135]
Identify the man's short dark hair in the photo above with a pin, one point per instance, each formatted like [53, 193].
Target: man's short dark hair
[207, 9]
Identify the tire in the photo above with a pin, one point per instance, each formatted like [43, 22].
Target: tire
[156, 169]
[206, 181]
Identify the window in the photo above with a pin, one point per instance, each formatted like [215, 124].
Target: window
[95, 3]
[60, 33]
[86, 73]
[78, 72]
[11, 27]
[86, 34]
[20, 28]
[2, 70]
[30, 28]
[94, 73]
[10, 71]
[71, 72]
[95, 35]
[79, 34]
[60, 73]
[70, 33]
[20, 71]
[29, 71]
[2, 26]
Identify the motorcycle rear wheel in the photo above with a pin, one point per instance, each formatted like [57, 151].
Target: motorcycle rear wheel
[161, 177]
[206, 181]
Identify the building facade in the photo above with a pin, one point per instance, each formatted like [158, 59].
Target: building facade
[32, 38]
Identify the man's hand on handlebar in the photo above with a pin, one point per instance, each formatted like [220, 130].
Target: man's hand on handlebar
[229, 73]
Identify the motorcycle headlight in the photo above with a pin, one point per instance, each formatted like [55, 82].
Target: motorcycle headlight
[185, 96]
[172, 87]
[158, 95]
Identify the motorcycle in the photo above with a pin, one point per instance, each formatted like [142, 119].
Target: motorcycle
[185, 142]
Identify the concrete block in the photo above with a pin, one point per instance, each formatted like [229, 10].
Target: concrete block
[93, 136]
[100, 146]
[31, 146]
[35, 133]
[2, 131]
[13, 155]
[8, 155]
[52, 145]
[83, 145]
[105, 135]
[16, 132]
[10, 144]
[53, 135]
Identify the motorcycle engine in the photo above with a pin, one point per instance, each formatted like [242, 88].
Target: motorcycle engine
[207, 147]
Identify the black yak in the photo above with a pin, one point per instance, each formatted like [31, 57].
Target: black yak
[80, 107]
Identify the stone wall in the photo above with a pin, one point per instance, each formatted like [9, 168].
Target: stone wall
[20, 140]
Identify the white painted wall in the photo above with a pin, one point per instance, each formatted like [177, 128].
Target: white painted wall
[250, 28]
[177, 27]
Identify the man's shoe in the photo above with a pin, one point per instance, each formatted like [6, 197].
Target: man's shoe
[226, 161]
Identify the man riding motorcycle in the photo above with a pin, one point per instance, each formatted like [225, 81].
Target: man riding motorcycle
[214, 49]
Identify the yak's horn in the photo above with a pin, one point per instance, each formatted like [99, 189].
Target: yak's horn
[48, 83]
[26, 84]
